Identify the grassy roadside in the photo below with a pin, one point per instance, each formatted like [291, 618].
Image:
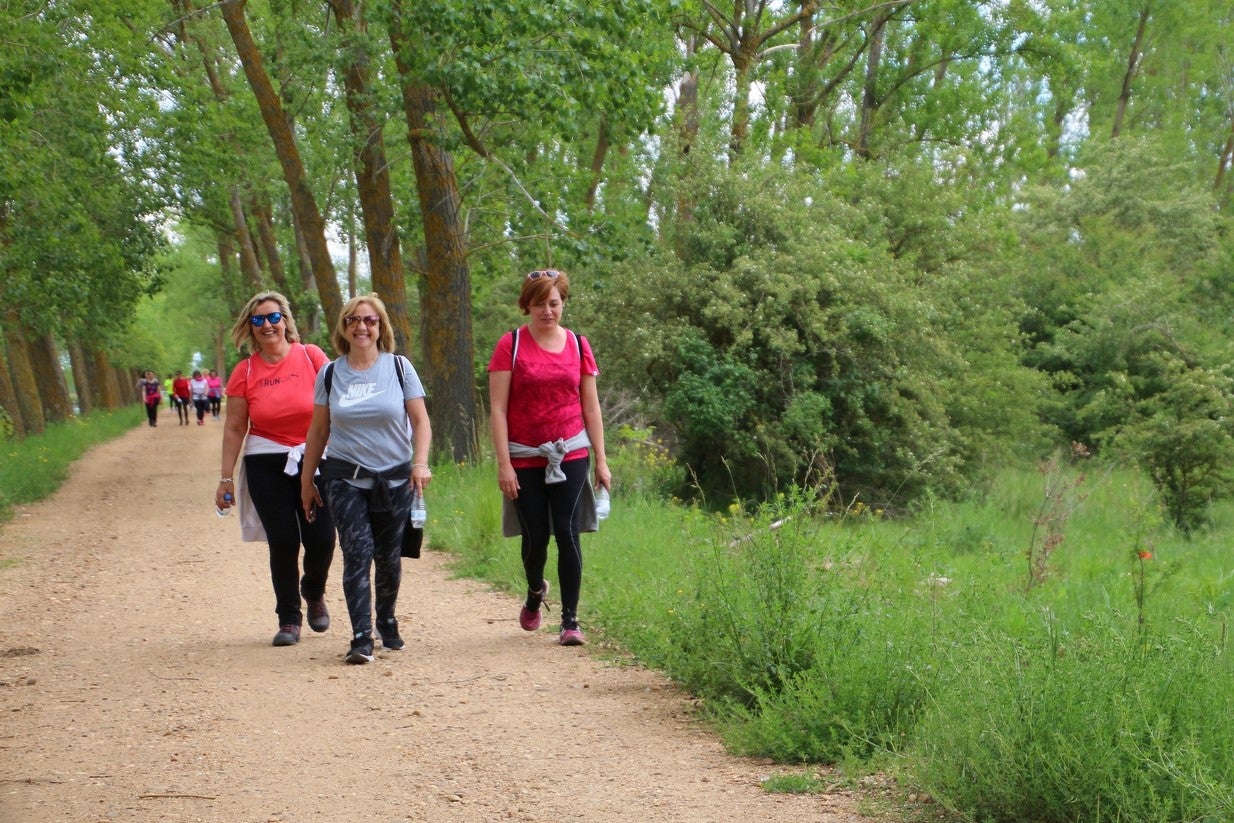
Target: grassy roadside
[1048, 651]
[35, 466]
[1051, 651]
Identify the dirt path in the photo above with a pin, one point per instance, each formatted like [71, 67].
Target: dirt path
[138, 683]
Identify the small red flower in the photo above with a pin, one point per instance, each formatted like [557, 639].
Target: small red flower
[1146, 555]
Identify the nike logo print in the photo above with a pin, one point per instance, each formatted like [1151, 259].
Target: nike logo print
[358, 393]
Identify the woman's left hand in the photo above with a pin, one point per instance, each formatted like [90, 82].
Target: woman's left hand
[603, 476]
[420, 477]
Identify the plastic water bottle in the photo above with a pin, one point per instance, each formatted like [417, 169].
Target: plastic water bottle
[603, 505]
[226, 510]
[418, 512]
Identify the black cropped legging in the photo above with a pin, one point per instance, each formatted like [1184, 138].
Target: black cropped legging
[276, 496]
[541, 505]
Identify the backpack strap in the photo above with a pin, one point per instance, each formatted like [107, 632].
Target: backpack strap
[578, 341]
[329, 378]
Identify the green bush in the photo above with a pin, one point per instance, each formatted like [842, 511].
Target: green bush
[1184, 437]
[769, 352]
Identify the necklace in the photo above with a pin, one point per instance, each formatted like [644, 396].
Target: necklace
[363, 372]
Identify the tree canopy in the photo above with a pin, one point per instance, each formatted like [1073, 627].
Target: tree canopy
[887, 243]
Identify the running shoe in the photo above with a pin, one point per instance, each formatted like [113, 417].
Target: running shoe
[529, 615]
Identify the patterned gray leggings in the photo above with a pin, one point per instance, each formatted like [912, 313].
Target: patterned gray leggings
[369, 539]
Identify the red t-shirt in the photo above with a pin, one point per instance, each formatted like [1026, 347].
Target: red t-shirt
[279, 396]
[545, 402]
[180, 388]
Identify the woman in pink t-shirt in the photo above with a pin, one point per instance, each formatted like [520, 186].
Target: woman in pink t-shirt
[269, 408]
[214, 393]
[546, 425]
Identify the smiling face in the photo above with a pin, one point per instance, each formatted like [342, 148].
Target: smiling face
[269, 336]
[362, 333]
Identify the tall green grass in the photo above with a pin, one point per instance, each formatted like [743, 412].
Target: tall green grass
[1093, 685]
[35, 466]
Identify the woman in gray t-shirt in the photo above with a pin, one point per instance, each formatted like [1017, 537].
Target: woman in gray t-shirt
[369, 405]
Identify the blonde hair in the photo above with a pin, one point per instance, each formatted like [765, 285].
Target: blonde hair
[243, 334]
[385, 334]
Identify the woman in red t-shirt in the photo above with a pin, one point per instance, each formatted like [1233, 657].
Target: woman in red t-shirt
[545, 417]
[182, 395]
[269, 408]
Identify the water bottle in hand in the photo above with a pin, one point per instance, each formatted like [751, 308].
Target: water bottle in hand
[603, 505]
[227, 498]
[418, 512]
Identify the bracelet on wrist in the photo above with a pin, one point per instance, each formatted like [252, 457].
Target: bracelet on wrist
[420, 466]
[223, 480]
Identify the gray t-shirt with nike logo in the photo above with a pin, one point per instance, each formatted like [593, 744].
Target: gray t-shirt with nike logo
[368, 418]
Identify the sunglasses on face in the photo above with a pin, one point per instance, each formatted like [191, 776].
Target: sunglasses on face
[369, 319]
[259, 320]
[551, 274]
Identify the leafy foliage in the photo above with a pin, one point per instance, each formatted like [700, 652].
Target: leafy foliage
[787, 338]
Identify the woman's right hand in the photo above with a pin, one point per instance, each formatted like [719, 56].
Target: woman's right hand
[220, 502]
[507, 481]
[310, 499]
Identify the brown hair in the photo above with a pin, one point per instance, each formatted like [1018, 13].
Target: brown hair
[385, 335]
[536, 289]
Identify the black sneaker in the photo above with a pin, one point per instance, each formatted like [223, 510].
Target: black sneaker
[288, 635]
[361, 650]
[318, 615]
[390, 640]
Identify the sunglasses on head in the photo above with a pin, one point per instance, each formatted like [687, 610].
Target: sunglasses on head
[369, 319]
[259, 320]
[551, 274]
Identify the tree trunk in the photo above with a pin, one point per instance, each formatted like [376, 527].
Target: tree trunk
[686, 122]
[869, 90]
[302, 201]
[8, 397]
[227, 255]
[742, 64]
[25, 384]
[1133, 68]
[244, 239]
[81, 381]
[269, 243]
[597, 163]
[353, 255]
[445, 298]
[53, 391]
[373, 179]
[107, 390]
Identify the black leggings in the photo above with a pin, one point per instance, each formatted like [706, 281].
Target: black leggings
[543, 506]
[152, 412]
[276, 496]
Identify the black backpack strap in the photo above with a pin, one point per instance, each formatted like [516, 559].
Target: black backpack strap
[329, 380]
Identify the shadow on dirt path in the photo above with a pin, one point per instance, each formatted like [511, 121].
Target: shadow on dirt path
[138, 683]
